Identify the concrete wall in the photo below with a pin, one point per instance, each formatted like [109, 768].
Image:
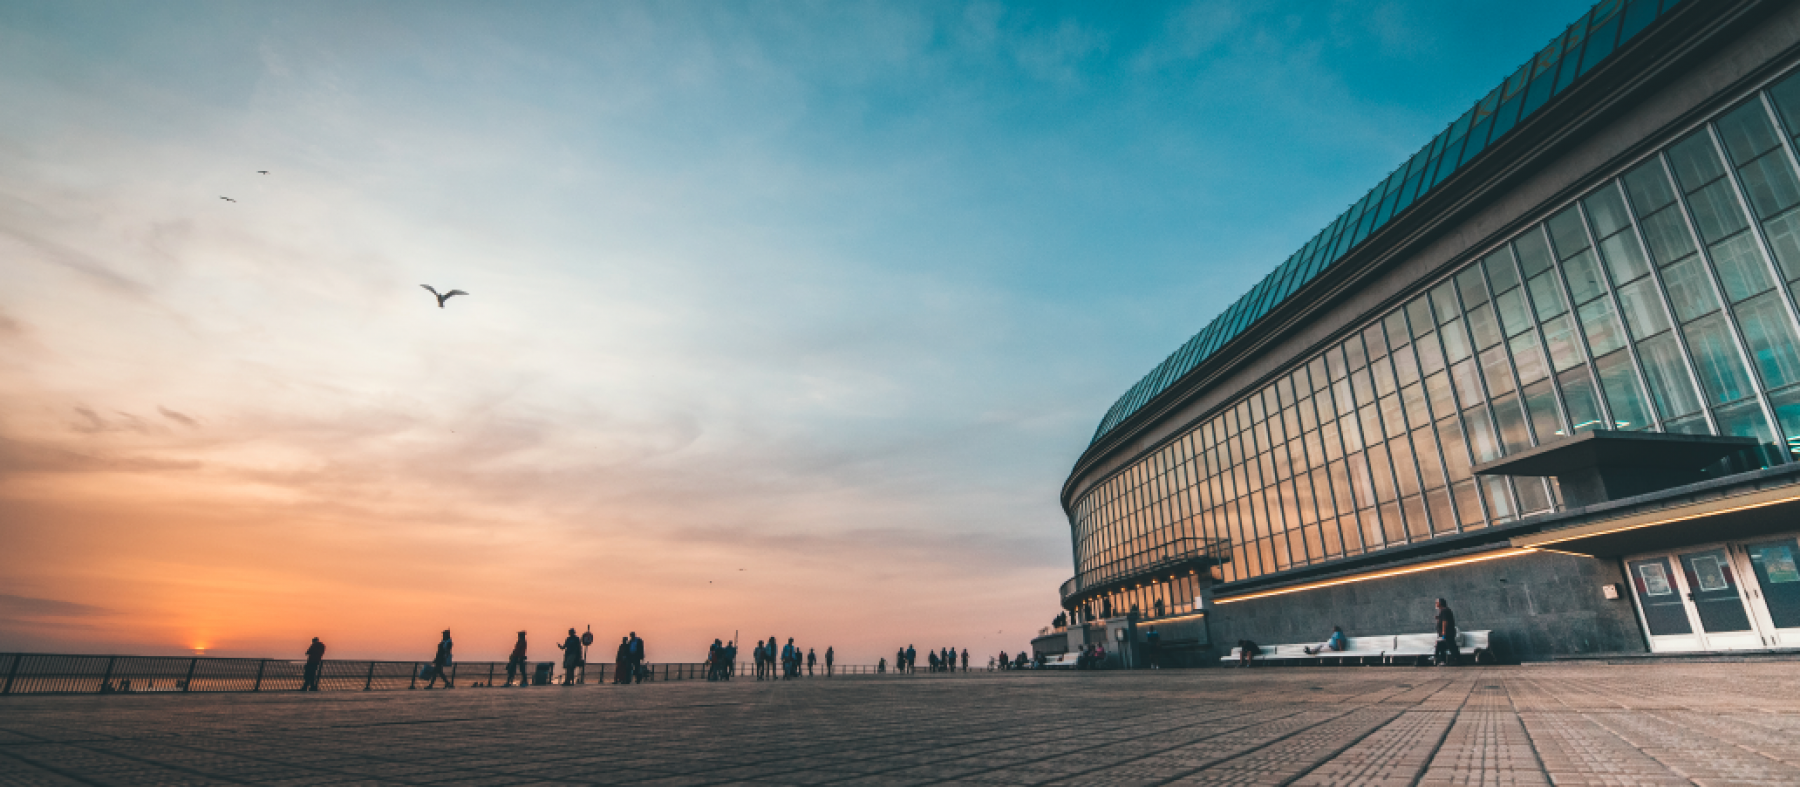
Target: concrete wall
[1538, 605]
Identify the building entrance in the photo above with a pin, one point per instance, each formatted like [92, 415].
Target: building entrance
[1730, 596]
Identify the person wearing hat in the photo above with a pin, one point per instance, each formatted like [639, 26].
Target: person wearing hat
[515, 663]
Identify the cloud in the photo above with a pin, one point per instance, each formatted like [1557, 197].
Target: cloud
[28, 607]
[177, 417]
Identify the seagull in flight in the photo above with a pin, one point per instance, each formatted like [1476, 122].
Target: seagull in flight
[262, 172]
[228, 199]
[441, 298]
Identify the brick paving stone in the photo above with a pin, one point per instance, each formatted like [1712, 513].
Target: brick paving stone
[1587, 724]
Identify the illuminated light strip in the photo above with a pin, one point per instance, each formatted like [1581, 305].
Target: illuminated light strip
[1485, 556]
[1757, 500]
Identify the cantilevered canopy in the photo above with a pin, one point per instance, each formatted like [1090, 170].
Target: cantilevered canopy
[1595, 467]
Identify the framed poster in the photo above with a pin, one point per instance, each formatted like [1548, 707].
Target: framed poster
[1656, 579]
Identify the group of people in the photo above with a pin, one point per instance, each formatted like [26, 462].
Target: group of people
[906, 660]
[786, 661]
[1444, 652]
[721, 659]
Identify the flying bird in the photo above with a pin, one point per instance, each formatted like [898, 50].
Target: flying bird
[441, 298]
[262, 172]
[228, 199]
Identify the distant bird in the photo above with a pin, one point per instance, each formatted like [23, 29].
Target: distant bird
[228, 199]
[441, 298]
[262, 172]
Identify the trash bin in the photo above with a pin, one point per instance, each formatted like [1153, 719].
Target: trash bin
[542, 676]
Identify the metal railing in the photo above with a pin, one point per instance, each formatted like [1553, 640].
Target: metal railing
[1175, 553]
[56, 673]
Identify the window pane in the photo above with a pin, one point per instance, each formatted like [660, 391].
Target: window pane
[1770, 185]
[1746, 132]
[1431, 462]
[1482, 441]
[1743, 419]
[1580, 398]
[1443, 517]
[1502, 275]
[1529, 357]
[1431, 357]
[1787, 416]
[1510, 416]
[1497, 371]
[1716, 360]
[1406, 366]
[1741, 268]
[1417, 525]
[1565, 350]
[1412, 397]
[1540, 407]
[1643, 308]
[1405, 467]
[1467, 378]
[1784, 237]
[1499, 498]
[1624, 260]
[1392, 416]
[1456, 341]
[1602, 327]
[1534, 254]
[1716, 211]
[1513, 314]
[1483, 327]
[1669, 382]
[1583, 274]
[1689, 291]
[1455, 453]
[1648, 187]
[1468, 504]
[1770, 336]
[1606, 210]
[1546, 297]
[1469, 285]
[1623, 394]
[1566, 232]
[1443, 402]
[1381, 472]
[1694, 161]
[1666, 234]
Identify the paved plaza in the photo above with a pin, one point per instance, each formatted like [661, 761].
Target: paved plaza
[1719, 723]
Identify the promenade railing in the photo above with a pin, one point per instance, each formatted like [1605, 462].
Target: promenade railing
[58, 673]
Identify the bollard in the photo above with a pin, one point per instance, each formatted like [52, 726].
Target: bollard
[259, 671]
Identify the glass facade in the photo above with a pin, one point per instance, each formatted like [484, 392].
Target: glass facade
[1606, 27]
[1663, 299]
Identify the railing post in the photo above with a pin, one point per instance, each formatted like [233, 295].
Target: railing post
[106, 680]
[12, 672]
[490, 682]
[368, 681]
[451, 681]
[190, 676]
[259, 671]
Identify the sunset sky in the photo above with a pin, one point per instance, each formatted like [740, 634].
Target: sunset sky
[785, 318]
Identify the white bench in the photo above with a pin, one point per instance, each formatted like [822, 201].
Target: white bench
[1062, 661]
[1386, 649]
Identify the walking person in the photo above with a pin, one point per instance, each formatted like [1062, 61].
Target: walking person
[759, 657]
[829, 658]
[788, 659]
[571, 648]
[315, 659]
[441, 661]
[715, 660]
[900, 661]
[1446, 652]
[731, 657]
[811, 660]
[912, 659]
[965, 657]
[515, 662]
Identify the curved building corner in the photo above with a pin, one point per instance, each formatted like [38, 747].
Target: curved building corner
[1548, 369]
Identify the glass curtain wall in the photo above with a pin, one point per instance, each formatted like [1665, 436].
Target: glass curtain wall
[1664, 299]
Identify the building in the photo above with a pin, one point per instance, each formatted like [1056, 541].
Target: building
[1549, 369]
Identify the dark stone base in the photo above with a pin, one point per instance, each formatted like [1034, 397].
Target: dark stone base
[1539, 606]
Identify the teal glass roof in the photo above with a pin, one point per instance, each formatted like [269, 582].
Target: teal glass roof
[1587, 42]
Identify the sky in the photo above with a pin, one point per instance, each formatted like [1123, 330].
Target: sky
[785, 318]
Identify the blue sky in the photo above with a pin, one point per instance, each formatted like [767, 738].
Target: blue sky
[833, 293]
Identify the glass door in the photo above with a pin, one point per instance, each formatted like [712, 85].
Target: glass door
[1778, 586]
[1660, 599]
[1713, 590]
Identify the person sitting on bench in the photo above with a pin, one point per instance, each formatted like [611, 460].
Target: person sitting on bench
[1335, 642]
[1247, 651]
